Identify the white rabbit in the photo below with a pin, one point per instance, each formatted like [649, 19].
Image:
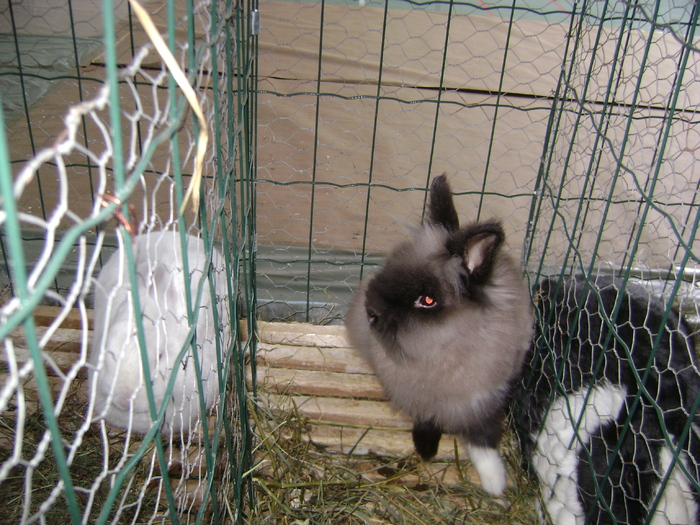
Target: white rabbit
[446, 324]
[117, 379]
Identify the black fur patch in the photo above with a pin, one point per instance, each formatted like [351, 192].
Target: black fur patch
[486, 431]
[582, 341]
[391, 297]
[426, 438]
[441, 209]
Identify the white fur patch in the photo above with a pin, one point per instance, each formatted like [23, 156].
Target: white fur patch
[556, 455]
[489, 465]
[676, 505]
[475, 256]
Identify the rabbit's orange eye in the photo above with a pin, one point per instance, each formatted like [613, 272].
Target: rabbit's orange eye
[425, 302]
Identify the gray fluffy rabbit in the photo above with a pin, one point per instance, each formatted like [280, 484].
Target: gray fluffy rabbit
[117, 379]
[445, 324]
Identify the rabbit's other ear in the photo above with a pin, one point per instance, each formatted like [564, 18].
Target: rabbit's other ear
[166, 288]
[441, 208]
[478, 246]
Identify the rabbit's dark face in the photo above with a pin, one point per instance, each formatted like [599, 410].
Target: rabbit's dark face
[403, 296]
[441, 272]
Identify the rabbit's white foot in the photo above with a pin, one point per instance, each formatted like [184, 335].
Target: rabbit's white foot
[489, 466]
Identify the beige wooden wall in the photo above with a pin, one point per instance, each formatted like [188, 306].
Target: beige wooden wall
[490, 145]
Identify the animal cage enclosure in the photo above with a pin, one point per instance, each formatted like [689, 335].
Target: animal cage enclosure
[575, 123]
[99, 149]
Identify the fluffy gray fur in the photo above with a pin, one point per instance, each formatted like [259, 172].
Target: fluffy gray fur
[454, 368]
[453, 364]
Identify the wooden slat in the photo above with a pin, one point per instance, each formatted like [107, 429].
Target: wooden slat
[301, 367]
[312, 370]
[63, 360]
[346, 411]
[31, 393]
[326, 359]
[301, 334]
[380, 441]
[316, 383]
[62, 349]
[29, 385]
[362, 440]
[62, 339]
[434, 472]
[45, 315]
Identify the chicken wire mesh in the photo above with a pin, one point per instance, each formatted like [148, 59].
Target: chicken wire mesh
[361, 105]
[554, 117]
[574, 123]
[613, 359]
[98, 150]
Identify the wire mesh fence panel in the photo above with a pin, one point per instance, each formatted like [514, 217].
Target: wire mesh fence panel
[617, 185]
[121, 378]
[613, 267]
[361, 105]
[575, 124]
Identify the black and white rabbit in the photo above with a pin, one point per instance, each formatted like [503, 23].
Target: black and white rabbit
[600, 445]
[116, 376]
[446, 324]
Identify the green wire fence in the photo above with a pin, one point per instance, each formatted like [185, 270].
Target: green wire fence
[573, 122]
[98, 144]
[576, 123]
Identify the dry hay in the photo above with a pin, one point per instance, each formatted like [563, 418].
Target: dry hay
[87, 466]
[100, 452]
[299, 482]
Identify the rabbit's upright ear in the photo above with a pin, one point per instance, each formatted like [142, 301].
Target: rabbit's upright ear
[166, 288]
[441, 208]
[478, 246]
